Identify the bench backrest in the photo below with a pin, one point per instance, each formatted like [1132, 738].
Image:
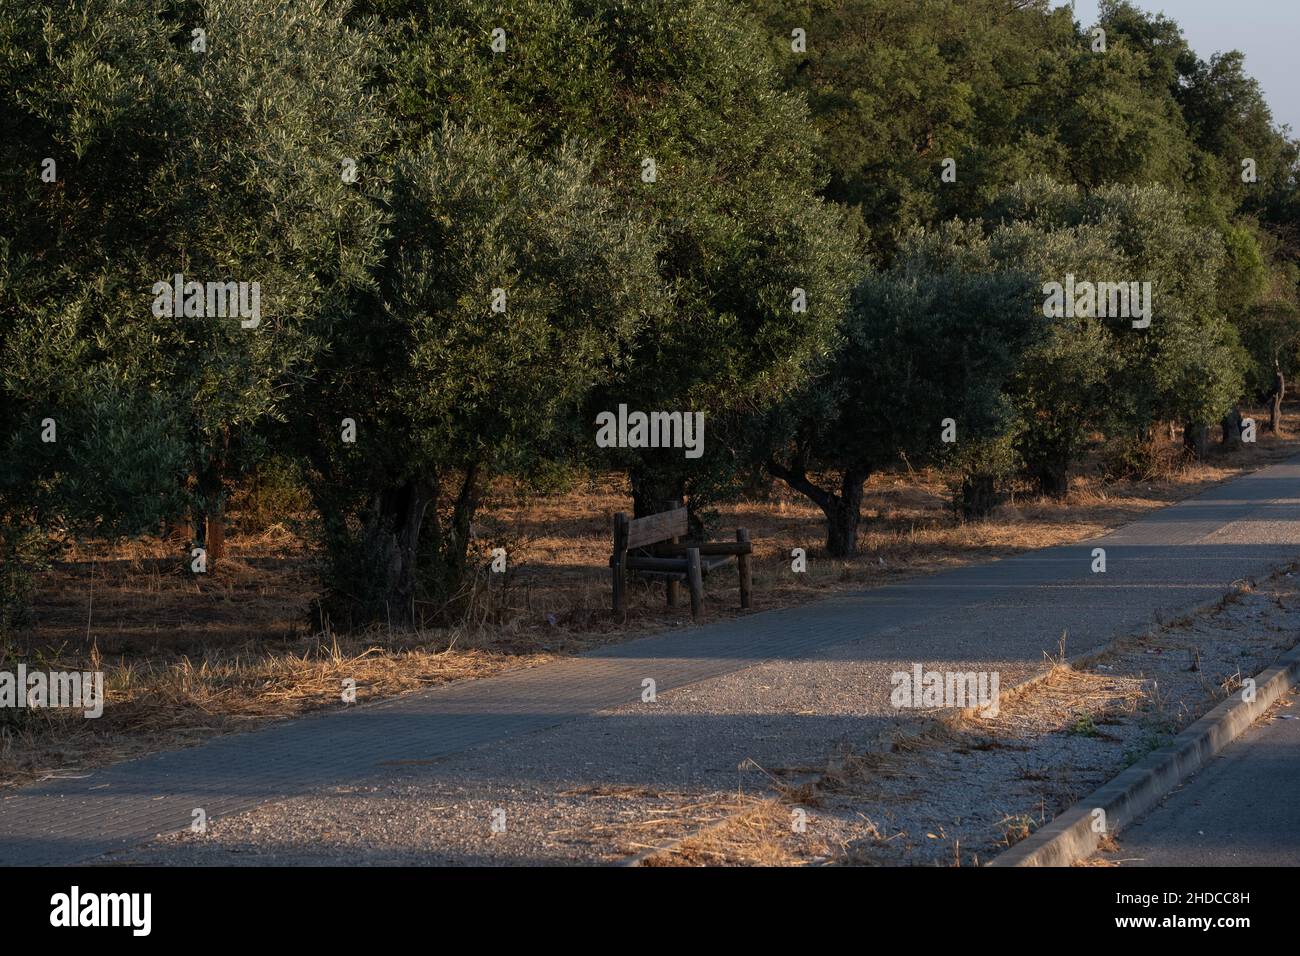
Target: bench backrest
[651, 529]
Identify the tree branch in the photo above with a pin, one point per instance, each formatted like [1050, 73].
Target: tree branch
[797, 479]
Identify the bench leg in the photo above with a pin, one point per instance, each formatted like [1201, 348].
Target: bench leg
[617, 559]
[696, 579]
[620, 601]
[746, 575]
[672, 582]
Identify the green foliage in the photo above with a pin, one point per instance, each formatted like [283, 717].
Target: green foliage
[895, 88]
[1244, 275]
[522, 170]
[444, 389]
[1011, 91]
[222, 165]
[1101, 373]
[689, 85]
[1229, 122]
[926, 341]
[471, 214]
[1270, 330]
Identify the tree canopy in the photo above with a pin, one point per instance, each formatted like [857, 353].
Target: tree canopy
[409, 246]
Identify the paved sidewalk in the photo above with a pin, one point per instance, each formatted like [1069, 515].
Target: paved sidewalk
[1008, 612]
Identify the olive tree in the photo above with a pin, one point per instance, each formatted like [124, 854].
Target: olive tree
[697, 138]
[920, 372]
[510, 287]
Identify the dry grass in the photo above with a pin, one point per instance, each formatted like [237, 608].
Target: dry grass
[780, 830]
[189, 656]
[1105, 844]
[757, 832]
[157, 703]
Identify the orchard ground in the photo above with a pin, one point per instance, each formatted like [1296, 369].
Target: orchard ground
[188, 656]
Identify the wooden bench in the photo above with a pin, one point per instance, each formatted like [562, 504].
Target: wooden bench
[652, 547]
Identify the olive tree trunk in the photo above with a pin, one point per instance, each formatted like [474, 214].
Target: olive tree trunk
[1052, 477]
[1196, 440]
[409, 554]
[392, 543]
[1231, 427]
[843, 510]
[978, 496]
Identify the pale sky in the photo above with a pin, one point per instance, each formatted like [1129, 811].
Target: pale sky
[1266, 31]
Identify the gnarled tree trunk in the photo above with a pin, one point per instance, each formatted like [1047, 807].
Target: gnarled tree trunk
[214, 533]
[843, 511]
[1051, 477]
[1231, 428]
[393, 541]
[978, 496]
[1196, 440]
[844, 515]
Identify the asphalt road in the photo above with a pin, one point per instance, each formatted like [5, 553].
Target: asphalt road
[775, 687]
[1241, 809]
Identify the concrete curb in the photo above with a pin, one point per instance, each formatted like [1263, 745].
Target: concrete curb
[1070, 836]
